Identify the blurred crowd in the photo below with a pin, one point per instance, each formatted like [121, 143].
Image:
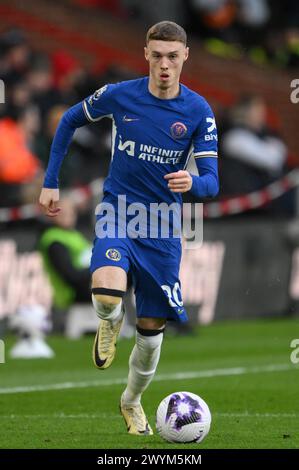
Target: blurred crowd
[266, 31]
[39, 88]
[253, 155]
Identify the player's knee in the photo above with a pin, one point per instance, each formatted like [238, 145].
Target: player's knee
[151, 323]
[106, 309]
[149, 340]
[107, 302]
[148, 344]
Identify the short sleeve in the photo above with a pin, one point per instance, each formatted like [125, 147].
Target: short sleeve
[205, 139]
[101, 104]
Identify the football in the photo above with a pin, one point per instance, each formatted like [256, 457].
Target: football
[183, 417]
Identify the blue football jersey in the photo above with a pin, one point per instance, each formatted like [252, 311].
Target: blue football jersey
[152, 137]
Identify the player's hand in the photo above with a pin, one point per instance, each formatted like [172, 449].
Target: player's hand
[49, 199]
[179, 182]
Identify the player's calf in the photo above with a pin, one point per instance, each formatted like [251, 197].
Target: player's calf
[142, 367]
[142, 363]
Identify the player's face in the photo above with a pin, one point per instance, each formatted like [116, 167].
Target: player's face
[166, 59]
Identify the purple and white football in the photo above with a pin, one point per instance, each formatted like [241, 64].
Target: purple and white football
[183, 417]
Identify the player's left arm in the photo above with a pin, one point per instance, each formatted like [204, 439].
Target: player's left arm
[206, 157]
[179, 181]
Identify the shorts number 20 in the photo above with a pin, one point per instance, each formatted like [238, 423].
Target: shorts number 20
[174, 295]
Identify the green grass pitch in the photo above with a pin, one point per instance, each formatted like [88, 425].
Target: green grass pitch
[242, 370]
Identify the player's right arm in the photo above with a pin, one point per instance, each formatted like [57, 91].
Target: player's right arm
[72, 118]
[92, 109]
[49, 200]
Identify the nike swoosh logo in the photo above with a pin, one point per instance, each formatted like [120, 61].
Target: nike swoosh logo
[98, 361]
[127, 119]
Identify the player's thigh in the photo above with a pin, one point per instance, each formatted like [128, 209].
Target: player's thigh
[157, 285]
[110, 277]
[110, 263]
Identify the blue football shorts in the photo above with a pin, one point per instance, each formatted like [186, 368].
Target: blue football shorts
[154, 265]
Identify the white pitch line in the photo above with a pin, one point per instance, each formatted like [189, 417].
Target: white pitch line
[257, 415]
[159, 378]
[61, 386]
[112, 416]
[63, 416]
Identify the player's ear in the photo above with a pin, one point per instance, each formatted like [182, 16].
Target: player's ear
[186, 53]
[146, 53]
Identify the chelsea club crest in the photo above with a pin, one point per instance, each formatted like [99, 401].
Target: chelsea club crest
[113, 254]
[178, 130]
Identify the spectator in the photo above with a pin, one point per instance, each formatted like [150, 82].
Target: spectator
[253, 155]
[213, 18]
[20, 170]
[14, 56]
[66, 253]
[41, 83]
[31, 323]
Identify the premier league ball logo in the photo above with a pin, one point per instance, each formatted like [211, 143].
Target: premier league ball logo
[178, 130]
[97, 95]
[186, 409]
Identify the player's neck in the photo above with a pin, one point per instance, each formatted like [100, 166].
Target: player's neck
[166, 94]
